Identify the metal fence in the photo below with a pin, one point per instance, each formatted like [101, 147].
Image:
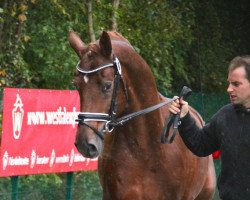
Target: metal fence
[69, 186]
[85, 185]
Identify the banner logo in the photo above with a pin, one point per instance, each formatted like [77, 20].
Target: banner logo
[5, 160]
[17, 117]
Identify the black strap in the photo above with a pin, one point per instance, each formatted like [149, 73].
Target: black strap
[124, 119]
[119, 121]
[117, 66]
[174, 119]
[99, 133]
[171, 120]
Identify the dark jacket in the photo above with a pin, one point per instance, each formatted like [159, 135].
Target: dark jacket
[229, 131]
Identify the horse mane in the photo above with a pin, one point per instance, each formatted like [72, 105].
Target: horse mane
[117, 37]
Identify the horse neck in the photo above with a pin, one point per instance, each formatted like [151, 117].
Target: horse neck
[142, 84]
[139, 137]
[142, 131]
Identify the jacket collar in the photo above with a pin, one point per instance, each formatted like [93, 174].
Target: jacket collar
[241, 108]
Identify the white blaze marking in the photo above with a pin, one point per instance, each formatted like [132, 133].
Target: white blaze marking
[86, 78]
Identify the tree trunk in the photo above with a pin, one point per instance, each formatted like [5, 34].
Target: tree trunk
[4, 6]
[113, 26]
[90, 21]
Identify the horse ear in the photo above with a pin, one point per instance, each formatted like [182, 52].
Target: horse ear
[76, 43]
[105, 44]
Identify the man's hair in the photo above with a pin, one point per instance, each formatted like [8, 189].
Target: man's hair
[241, 61]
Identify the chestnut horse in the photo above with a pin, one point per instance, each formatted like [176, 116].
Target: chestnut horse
[114, 81]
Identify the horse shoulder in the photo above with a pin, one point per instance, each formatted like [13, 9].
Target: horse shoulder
[195, 114]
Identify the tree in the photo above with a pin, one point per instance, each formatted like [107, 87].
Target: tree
[183, 42]
[14, 71]
[90, 20]
[113, 26]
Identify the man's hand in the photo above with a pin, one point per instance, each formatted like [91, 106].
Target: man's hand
[175, 107]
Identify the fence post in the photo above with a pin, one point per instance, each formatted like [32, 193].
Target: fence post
[70, 176]
[14, 185]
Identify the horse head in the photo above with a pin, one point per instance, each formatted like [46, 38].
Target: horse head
[96, 84]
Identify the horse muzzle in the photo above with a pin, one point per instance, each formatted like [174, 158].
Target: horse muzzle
[88, 143]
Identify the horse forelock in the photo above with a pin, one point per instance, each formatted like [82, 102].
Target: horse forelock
[93, 46]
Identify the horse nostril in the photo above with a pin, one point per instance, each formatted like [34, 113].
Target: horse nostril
[92, 150]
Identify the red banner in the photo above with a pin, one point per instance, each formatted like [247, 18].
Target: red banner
[38, 133]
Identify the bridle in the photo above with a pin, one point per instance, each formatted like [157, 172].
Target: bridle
[110, 118]
[84, 117]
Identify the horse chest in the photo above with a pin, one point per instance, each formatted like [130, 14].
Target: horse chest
[127, 179]
[131, 184]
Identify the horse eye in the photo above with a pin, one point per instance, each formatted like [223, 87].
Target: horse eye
[107, 87]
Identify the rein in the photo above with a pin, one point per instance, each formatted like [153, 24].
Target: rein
[110, 118]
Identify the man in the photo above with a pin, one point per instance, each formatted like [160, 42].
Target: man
[227, 131]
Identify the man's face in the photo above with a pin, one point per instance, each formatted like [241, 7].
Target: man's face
[239, 87]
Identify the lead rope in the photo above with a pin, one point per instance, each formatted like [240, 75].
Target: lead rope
[174, 119]
[124, 119]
